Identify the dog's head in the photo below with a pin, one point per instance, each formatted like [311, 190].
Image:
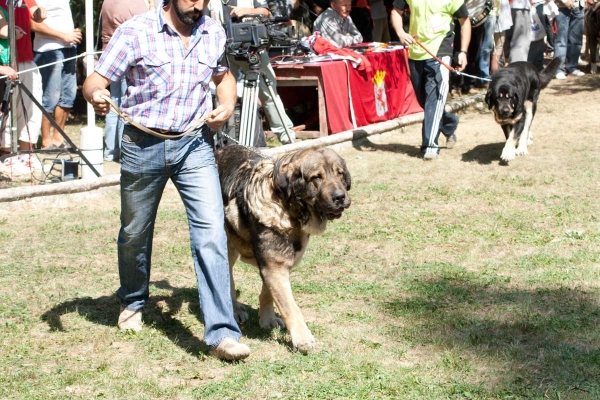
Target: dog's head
[503, 100]
[315, 181]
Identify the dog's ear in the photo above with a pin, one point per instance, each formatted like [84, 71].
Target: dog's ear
[347, 177]
[281, 180]
[489, 98]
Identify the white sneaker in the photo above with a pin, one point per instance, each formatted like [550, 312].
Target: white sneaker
[560, 75]
[130, 320]
[576, 72]
[230, 350]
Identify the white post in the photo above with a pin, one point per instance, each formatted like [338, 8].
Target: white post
[89, 45]
[91, 142]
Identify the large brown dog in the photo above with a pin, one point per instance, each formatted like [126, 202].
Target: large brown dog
[271, 209]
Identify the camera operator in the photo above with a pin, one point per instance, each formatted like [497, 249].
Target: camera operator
[223, 11]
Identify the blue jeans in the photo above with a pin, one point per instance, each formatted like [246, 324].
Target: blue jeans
[113, 128]
[59, 82]
[569, 37]
[147, 163]
[431, 83]
[487, 45]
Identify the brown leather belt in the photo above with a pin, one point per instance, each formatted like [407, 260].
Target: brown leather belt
[170, 135]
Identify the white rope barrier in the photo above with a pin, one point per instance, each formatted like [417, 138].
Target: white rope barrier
[53, 63]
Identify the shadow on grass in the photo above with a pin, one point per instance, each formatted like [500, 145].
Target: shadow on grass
[537, 340]
[485, 153]
[588, 83]
[367, 144]
[159, 312]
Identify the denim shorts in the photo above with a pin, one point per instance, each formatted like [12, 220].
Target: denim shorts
[59, 81]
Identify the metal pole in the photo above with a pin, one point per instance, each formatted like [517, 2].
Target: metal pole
[89, 48]
[244, 113]
[12, 126]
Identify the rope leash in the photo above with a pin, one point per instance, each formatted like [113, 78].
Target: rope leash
[252, 149]
[454, 70]
[201, 121]
[53, 63]
[149, 131]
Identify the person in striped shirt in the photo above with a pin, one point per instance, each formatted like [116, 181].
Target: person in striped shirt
[168, 58]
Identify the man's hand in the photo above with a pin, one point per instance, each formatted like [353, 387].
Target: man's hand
[73, 37]
[39, 14]
[219, 116]
[406, 39]
[19, 32]
[569, 4]
[462, 61]
[101, 106]
[9, 72]
[238, 11]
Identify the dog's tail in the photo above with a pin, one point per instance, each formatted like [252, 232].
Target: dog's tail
[548, 73]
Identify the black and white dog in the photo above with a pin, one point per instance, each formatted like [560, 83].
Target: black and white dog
[512, 96]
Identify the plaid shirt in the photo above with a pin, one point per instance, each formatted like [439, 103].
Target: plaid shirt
[167, 84]
[341, 32]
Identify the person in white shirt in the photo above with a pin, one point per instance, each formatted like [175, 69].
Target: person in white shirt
[55, 40]
[335, 24]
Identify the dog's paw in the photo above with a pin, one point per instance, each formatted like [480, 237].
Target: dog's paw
[521, 151]
[305, 344]
[508, 155]
[271, 322]
[240, 313]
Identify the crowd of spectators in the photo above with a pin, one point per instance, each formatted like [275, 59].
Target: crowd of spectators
[501, 31]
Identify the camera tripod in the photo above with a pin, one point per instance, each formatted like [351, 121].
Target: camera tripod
[250, 101]
[9, 104]
[6, 105]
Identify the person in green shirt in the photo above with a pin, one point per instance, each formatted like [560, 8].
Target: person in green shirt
[432, 25]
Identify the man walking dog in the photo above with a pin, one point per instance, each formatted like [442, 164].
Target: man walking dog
[169, 57]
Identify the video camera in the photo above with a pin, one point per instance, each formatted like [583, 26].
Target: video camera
[245, 40]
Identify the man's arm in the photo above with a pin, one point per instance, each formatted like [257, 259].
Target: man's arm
[37, 13]
[226, 98]
[93, 88]
[70, 37]
[19, 33]
[330, 30]
[465, 39]
[396, 18]
[353, 33]
[242, 11]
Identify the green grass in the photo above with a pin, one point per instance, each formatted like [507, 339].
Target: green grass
[459, 279]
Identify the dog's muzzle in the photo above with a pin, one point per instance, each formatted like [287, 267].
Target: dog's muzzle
[339, 202]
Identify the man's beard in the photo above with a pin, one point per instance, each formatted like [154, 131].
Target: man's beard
[184, 17]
